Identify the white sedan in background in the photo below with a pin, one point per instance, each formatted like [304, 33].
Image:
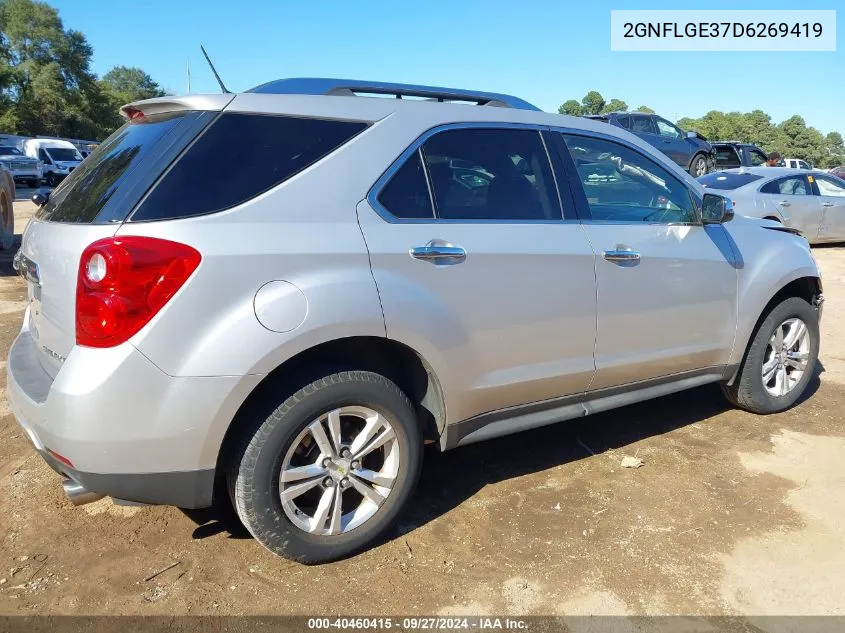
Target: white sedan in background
[812, 202]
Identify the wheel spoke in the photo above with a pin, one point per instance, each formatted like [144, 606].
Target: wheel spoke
[322, 439]
[379, 479]
[380, 440]
[371, 427]
[319, 519]
[798, 360]
[294, 491]
[770, 368]
[335, 526]
[334, 428]
[795, 333]
[366, 491]
[783, 381]
[296, 473]
[778, 338]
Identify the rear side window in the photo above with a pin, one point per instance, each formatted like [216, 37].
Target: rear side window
[727, 157]
[237, 158]
[406, 194]
[491, 174]
[86, 192]
[791, 186]
[721, 180]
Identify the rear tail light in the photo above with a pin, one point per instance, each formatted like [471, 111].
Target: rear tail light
[123, 282]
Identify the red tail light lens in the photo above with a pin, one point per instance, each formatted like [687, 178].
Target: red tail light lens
[123, 282]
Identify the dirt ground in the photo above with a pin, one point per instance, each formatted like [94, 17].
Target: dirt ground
[731, 514]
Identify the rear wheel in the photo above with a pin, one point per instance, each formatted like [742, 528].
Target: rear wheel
[780, 359]
[698, 166]
[330, 469]
[7, 223]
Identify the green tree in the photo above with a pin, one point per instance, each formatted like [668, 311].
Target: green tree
[615, 105]
[130, 84]
[592, 103]
[645, 109]
[570, 107]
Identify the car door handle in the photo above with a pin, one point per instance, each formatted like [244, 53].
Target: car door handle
[784, 203]
[442, 254]
[827, 204]
[621, 255]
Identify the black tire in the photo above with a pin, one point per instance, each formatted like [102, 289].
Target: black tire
[254, 470]
[7, 223]
[698, 166]
[748, 391]
[32, 184]
[52, 179]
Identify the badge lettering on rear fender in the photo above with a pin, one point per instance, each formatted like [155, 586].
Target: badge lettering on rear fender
[52, 354]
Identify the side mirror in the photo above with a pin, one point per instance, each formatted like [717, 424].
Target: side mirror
[716, 209]
[40, 199]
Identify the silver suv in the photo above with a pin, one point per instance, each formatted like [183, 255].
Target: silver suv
[280, 296]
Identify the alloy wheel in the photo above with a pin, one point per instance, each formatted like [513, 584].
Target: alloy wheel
[786, 357]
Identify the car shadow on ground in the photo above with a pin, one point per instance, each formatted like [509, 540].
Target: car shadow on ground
[448, 479]
[7, 257]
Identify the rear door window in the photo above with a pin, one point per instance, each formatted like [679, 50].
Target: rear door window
[239, 157]
[727, 157]
[790, 186]
[491, 174]
[406, 193]
[642, 125]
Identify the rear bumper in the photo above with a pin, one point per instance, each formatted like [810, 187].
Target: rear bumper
[129, 430]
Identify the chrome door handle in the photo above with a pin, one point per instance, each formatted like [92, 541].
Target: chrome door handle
[784, 203]
[621, 256]
[827, 204]
[439, 253]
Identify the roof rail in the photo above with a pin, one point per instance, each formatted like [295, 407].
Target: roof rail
[354, 87]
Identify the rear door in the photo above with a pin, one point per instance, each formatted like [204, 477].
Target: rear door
[832, 193]
[89, 205]
[792, 198]
[666, 284]
[480, 270]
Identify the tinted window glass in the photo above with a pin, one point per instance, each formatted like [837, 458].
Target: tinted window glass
[239, 157]
[624, 186]
[756, 157]
[829, 186]
[624, 120]
[727, 157]
[491, 174]
[13, 151]
[793, 186]
[721, 180]
[406, 194]
[641, 124]
[87, 190]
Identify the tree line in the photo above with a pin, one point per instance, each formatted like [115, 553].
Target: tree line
[46, 83]
[792, 137]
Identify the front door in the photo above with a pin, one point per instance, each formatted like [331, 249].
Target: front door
[479, 271]
[666, 284]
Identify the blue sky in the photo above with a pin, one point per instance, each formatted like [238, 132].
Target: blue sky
[543, 51]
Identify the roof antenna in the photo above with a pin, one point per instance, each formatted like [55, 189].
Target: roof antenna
[216, 76]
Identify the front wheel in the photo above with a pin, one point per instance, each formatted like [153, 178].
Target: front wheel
[780, 359]
[330, 469]
[698, 167]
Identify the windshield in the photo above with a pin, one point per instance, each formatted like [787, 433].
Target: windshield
[62, 153]
[725, 180]
[6, 150]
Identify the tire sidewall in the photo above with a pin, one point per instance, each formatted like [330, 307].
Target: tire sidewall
[698, 158]
[790, 308]
[257, 484]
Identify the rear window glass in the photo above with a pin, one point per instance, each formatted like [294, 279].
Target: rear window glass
[238, 157]
[406, 195]
[722, 180]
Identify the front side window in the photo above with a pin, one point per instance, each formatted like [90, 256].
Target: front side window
[491, 174]
[622, 185]
[756, 157]
[790, 186]
[829, 186]
[667, 129]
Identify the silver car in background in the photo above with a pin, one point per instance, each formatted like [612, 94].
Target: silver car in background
[812, 202]
[278, 297]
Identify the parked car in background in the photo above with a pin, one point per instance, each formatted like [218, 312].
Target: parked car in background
[688, 149]
[796, 163]
[222, 320]
[7, 209]
[24, 169]
[812, 202]
[59, 158]
[839, 172]
[730, 154]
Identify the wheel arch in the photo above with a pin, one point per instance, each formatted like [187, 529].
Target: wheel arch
[392, 359]
[806, 287]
